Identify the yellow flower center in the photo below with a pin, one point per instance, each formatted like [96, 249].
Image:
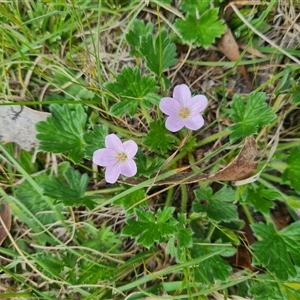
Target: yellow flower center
[184, 112]
[121, 156]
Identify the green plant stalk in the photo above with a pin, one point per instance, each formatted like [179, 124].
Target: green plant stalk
[214, 137]
[247, 213]
[168, 270]
[145, 112]
[169, 197]
[183, 197]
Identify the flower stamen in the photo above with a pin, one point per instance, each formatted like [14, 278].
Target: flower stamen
[121, 157]
[184, 112]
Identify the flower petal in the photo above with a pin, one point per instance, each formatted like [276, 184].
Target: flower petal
[105, 157]
[169, 106]
[182, 94]
[174, 123]
[130, 148]
[128, 168]
[113, 142]
[197, 104]
[194, 122]
[112, 173]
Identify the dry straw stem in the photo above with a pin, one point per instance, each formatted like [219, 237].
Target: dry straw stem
[232, 5]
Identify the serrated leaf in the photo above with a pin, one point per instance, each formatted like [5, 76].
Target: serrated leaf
[95, 139]
[131, 88]
[214, 268]
[149, 229]
[260, 197]
[292, 171]
[158, 52]
[33, 200]
[249, 114]
[63, 131]
[72, 193]
[265, 287]
[202, 31]
[129, 202]
[295, 91]
[193, 7]
[216, 205]
[283, 253]
[133, 37]
[159, 138]
[182, 239]
[147, 166]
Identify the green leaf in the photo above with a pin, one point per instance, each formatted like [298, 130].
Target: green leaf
[33, 200]
[63, 131]
[158, 52]
[292, 171]
[193, 7]
[201, 31]
[147, 165]
[159, 138]
[265, 287]
[216, 205]
[149, 229]
[133, 37]
[295, 91]
[129, 202]
[283, 252]
[70, 193]
[260, 197]
[181, 240]
[131, 88]
[249, 114]
[215, 268]
[95, 139]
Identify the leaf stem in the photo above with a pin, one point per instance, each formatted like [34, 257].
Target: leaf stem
[169, 197]
[183, 197]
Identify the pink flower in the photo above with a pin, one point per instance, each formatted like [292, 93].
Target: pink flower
[117, 157]
[183, 109]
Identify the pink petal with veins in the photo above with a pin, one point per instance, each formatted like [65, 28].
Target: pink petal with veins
[113, 142]
[105, 157]
[130, 148]
[182, 94]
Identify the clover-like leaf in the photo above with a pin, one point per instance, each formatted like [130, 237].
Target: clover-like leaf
[146, 165]
[249, 114]
[158, 52]
[181, 239]
[159, 137]
[282, 256]
[70, 193]
[202, 31]
[214, 268]
[131, 88]
[260, 197]
[292, 171]
[149, 228]
[216, 205]
[95, 139]
[63, 131]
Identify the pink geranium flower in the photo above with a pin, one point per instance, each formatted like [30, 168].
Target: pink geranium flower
[117, 157]
[183, 109]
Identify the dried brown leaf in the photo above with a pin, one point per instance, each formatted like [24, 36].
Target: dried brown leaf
[5, 214]
[229, 47]
[243, 166]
